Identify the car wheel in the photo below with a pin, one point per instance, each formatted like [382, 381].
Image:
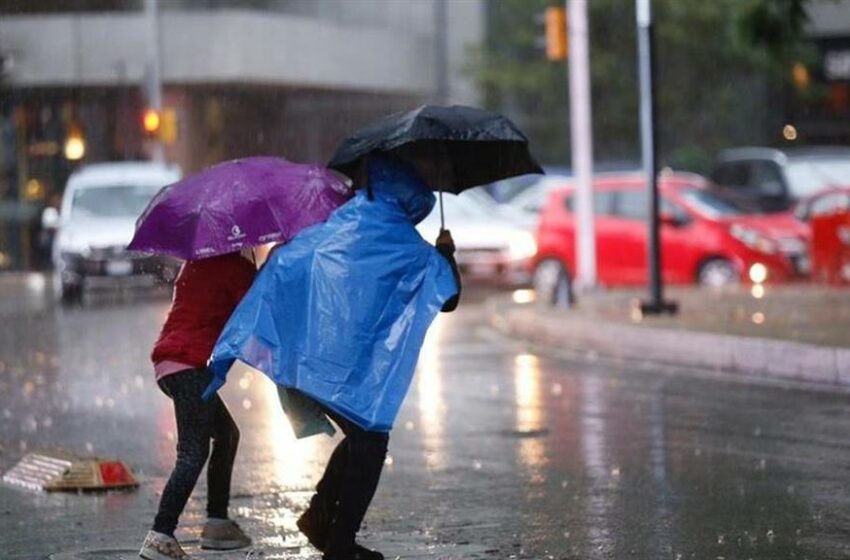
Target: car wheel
[716, 273]
[72, 293]
[552, 283]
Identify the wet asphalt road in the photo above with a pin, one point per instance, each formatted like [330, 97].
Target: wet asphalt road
[499, 452]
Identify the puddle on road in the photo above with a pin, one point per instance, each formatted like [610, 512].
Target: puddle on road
[392, 545]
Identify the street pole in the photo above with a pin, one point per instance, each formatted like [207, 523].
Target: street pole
[153, 83]
[581, 136]
[649, 141]
[441, 52]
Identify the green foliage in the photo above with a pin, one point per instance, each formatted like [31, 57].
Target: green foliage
[722, 69]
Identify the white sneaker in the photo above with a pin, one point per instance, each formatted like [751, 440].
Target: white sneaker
[223, 534]
[158, 546]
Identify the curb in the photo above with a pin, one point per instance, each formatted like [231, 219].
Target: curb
[745, 357]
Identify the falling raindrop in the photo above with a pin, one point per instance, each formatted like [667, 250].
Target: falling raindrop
[758, 317]
[47, 422]
[494, 390]
[557, 389]
[138, 381]
[89, 446]
[110, 403]
[408, 425]
[98, 401]
[389, 460]
[244, 383]
[721, 539]
[7, 413]
[477, 465]
[564, 484]
[757, 431]
[246, 404]
[615, 472]
[770, 536]
[762, 465]
[29, 388]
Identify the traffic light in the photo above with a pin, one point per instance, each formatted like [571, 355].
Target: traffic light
[168, 126]
[556, 33]
[151, 121]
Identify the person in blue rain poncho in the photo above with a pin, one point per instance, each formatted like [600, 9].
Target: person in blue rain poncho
[337, 317]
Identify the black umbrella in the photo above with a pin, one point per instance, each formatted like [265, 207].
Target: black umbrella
[452, 148]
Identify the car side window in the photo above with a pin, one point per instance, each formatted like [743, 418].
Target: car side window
[677, 212]
[603, 203]
[733, 174]
[632, 205]
[766, 179]
[829, 204]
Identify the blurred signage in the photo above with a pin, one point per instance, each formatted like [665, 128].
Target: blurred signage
[836, 65]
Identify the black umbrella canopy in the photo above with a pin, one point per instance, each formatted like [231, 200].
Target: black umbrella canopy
[453, 148]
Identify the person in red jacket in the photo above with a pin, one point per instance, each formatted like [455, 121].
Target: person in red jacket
[205, 294]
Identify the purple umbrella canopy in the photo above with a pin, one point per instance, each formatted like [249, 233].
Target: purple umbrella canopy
[238, 204]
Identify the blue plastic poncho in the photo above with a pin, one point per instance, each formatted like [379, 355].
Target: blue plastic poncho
[341, 311]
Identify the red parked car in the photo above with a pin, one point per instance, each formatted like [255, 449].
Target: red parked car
[705, 239]
[828, 216]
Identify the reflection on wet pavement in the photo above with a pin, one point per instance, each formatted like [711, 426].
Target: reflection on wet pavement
[499, 451]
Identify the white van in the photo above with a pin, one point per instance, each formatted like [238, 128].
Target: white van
[97, 221]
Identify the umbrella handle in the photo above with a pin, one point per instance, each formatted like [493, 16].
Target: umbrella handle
[442, 215]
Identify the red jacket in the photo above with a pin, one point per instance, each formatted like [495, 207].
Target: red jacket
[205, 294]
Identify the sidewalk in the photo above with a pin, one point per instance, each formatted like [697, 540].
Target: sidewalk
[798, 333]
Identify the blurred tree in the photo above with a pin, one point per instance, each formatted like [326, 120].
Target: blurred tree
[720, 67]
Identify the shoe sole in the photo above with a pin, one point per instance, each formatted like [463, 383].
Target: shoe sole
[216, 544]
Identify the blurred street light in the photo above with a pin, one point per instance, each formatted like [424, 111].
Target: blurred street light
[75, 145]
[151, 121]
[789, 132]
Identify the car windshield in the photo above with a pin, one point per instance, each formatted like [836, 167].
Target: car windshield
[118, 201]
[811, 176]
[709, 204]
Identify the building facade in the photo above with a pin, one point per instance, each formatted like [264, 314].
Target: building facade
[281, 77]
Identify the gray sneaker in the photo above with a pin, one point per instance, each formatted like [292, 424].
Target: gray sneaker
[223, 534]
[158, 546]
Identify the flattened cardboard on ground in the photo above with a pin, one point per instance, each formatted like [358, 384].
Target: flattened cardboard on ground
[60, 471]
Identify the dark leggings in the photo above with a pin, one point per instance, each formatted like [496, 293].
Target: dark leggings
[198, 422]
[349, 482]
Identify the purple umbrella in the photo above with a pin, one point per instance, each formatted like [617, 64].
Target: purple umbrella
[238, 204]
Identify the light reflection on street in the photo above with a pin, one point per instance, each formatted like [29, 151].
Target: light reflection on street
[432, 406]
[595, 453]
[529, 412]
[291, 457]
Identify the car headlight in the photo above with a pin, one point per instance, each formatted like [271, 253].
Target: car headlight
[753, 239]
[522, 245]
[70, 244]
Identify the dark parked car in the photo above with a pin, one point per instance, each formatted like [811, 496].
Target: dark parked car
[772, 180]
